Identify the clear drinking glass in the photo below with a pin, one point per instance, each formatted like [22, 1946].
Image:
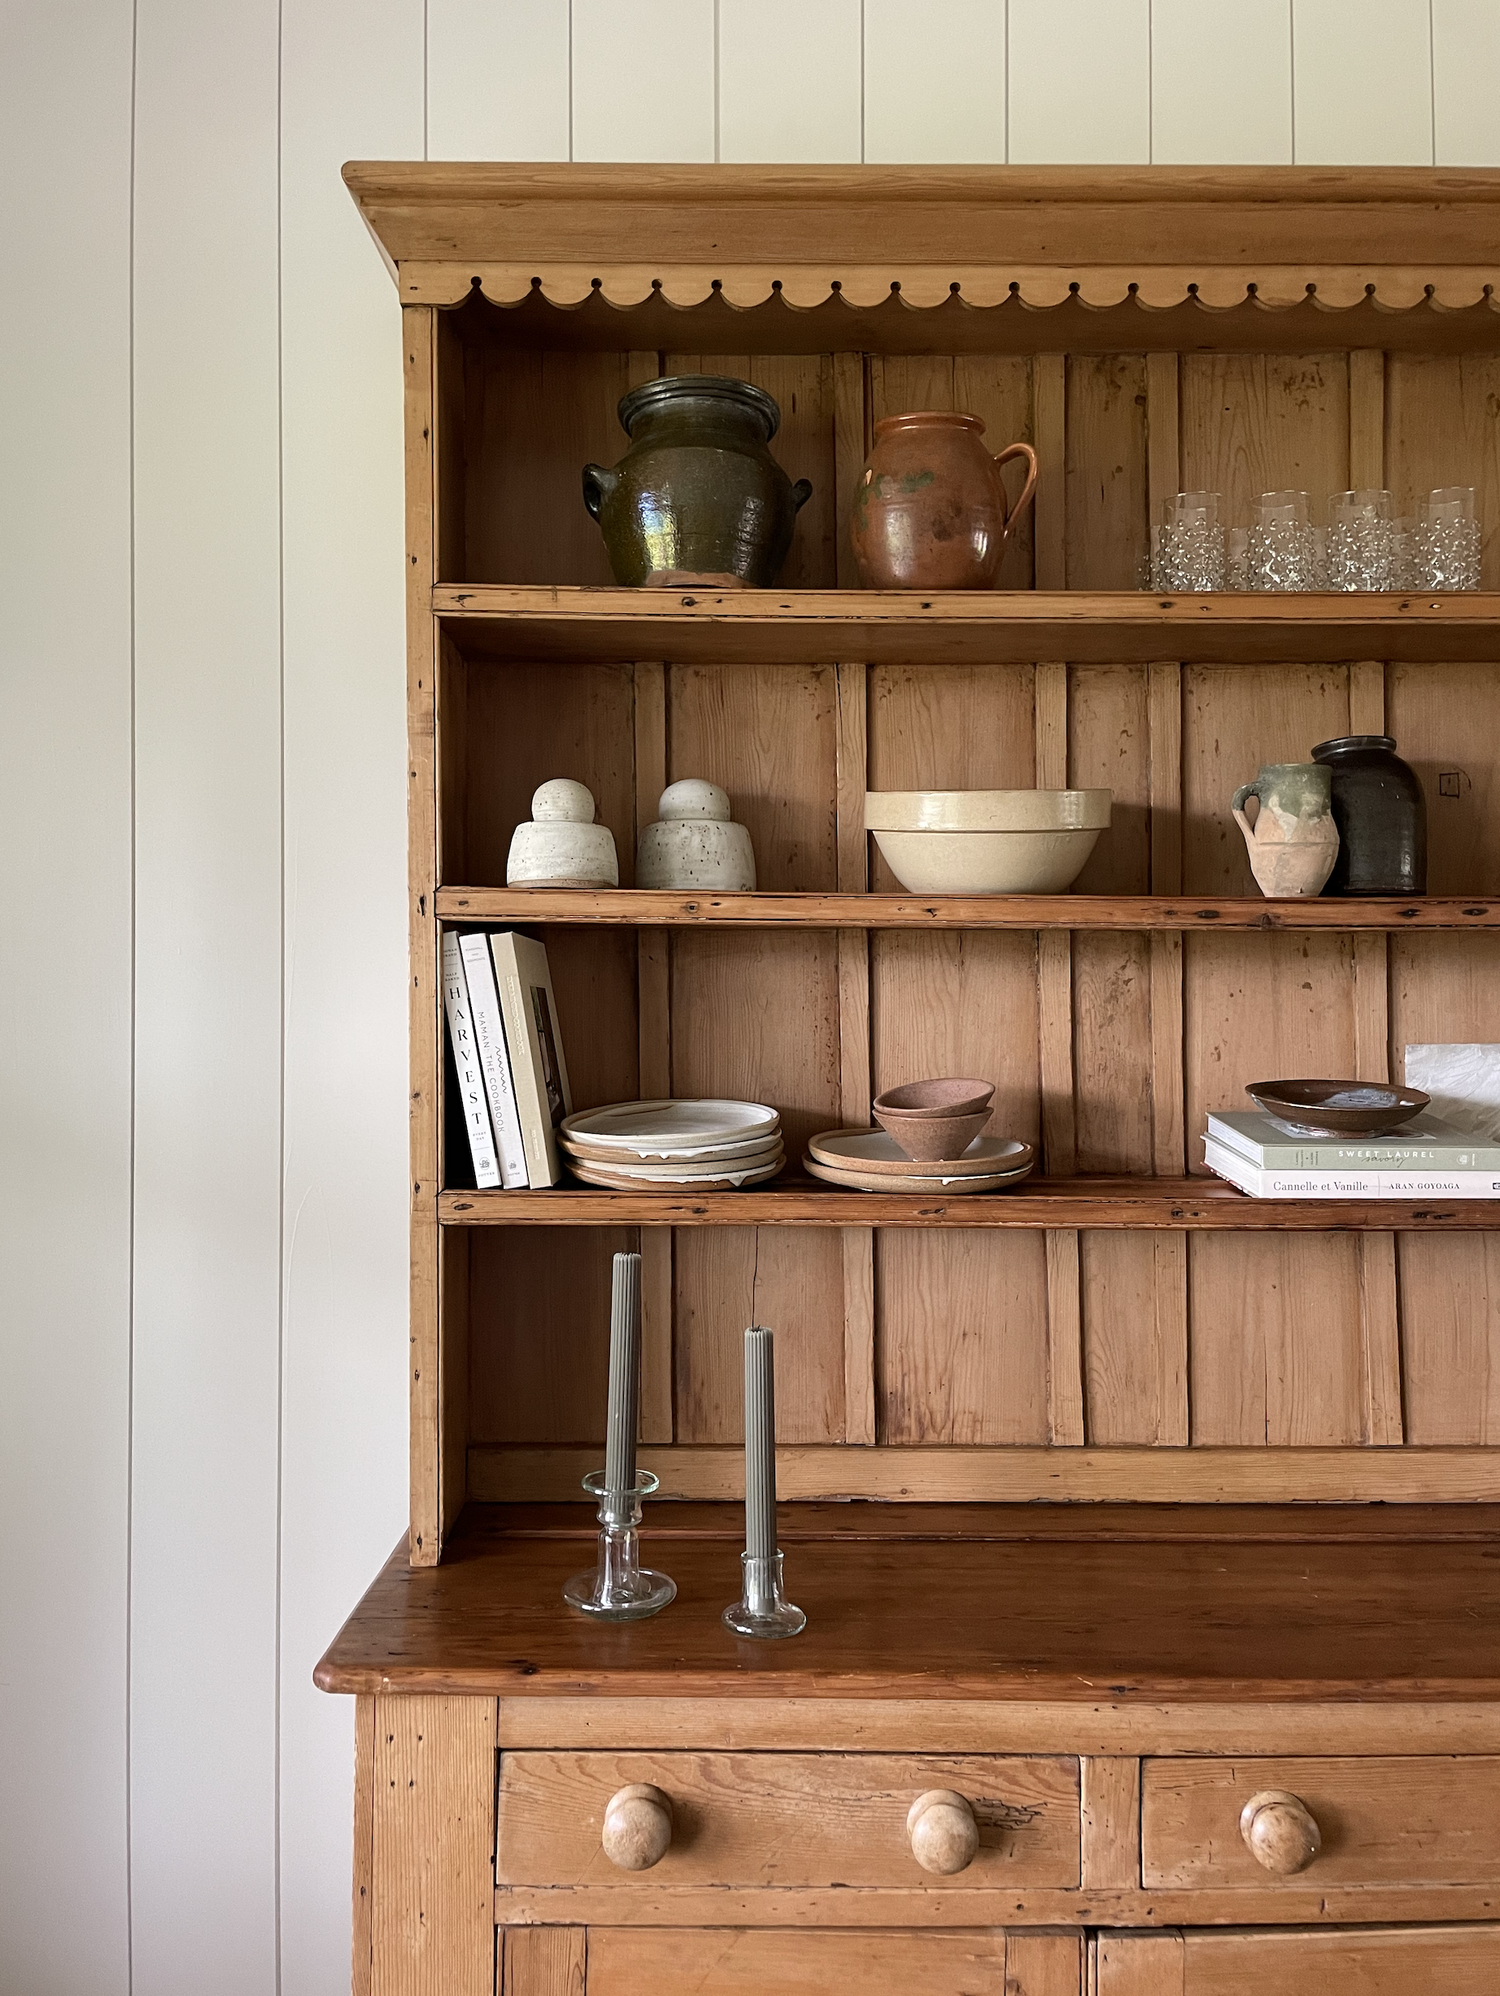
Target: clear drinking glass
[1187, 549]
[1285, 551]
[1446, 540]
[1360, 545]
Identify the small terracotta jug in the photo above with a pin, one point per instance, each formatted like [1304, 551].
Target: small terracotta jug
[1294, 841]
[929, 510]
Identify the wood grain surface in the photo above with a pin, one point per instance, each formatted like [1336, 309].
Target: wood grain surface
[1408, 1821]
[1220, 1617]
[789, 1821]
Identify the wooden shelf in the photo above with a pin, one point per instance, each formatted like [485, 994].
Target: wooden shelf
[828, 626]
[652, 908]
[913, 1612]
[1177, 1204]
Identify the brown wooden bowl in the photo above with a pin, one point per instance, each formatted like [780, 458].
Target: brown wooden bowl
[957, 1095]
[1336, 1108]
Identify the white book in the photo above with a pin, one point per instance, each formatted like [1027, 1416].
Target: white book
[532, 1036]
[494, 1060]
[466, 1065]
[1277, 1184]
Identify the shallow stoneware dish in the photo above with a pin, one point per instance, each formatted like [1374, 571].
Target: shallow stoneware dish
[681, 1168]
[928, 1138]
[647, 1152]
[1336, 1108]
[618, 1181]
[955, 1095]
[950, 1188]
[874, 1151]
[669, 1127]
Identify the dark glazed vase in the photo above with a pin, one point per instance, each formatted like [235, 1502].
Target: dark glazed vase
[1381, 815]
[697, 497]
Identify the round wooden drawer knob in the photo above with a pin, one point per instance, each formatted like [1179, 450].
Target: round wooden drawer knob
[1280, 1831]
[941, 1829]
[637, 1826]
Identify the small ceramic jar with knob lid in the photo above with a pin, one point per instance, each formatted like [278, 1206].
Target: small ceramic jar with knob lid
[695, 845]
[562, 846]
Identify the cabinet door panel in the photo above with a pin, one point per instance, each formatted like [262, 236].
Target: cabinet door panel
[774, 1962]
[1392, 1961]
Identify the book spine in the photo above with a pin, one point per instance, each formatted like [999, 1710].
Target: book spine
[1349, 1184]
[461, 1044]
[526, 1070]
[1328, 1156]
[494, 1059]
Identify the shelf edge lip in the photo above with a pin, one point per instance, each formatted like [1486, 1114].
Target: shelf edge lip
[1123, 914]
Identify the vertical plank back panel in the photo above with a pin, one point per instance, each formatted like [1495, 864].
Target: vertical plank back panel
[729, 1277]
[961, 1353]
[1276, 1351]
[1254, 423]
[1106, 470]
[526, 723]
[1446, 721]
[1441, 429]
[1447, 988]
[534, 420]
[539, 1332]
[769, 736]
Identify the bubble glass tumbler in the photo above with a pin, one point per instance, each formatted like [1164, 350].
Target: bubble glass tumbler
[1284, 551]
[1361, 546]
[1187, 549]
[1447, 540]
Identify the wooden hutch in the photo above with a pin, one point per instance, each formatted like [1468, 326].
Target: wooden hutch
[1112, 1501]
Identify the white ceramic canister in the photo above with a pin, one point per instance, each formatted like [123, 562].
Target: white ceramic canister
[562, 846]
[695, 845]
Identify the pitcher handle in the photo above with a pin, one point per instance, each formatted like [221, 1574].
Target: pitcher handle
[1237, 807]
[1001, 457]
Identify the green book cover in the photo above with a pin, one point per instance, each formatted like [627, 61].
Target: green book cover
[1426, 1143]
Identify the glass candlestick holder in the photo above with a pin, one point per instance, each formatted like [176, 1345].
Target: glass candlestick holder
[620, 1589]
[763, 1609]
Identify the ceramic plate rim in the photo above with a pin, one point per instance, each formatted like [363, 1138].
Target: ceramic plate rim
[610, 1180]
[910, 1167]
[761, 1123]
[602, 1153]
[946, 1187]
[657, 1174]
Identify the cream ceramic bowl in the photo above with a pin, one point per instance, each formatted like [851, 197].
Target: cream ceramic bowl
[986, 841]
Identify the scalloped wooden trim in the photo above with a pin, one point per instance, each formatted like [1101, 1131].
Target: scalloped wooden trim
[1161, 288]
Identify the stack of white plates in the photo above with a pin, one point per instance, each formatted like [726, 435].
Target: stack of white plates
[659, 1146]
[870, 1161]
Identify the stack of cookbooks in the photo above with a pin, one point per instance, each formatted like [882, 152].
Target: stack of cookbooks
[508, 1079]
[1425, 1159]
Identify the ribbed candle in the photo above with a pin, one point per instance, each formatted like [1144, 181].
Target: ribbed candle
[760, 1442]
[624, 1373]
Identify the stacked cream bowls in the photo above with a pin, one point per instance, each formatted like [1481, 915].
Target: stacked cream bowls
[986, 841]
[667, 1146]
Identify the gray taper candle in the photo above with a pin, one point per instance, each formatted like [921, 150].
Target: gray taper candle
[624, 1374]
[760, 1442]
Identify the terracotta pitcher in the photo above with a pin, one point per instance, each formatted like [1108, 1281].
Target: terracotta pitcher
[929, 510]
[1293, 841]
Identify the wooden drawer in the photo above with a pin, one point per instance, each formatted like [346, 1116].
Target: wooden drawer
[787, 1819]
[1393, 1961]
[1390, 1821]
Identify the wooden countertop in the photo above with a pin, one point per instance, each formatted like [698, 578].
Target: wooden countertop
[1015, 1602]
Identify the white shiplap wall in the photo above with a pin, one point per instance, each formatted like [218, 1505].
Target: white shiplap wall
[202, 1438]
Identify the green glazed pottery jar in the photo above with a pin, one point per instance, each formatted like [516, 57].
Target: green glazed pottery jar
[697, 497]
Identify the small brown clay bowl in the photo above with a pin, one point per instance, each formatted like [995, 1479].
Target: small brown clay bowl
[930, 1138]
[958, 1095]
[1336, 1108]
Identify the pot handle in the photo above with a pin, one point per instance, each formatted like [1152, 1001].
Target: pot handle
[1237, 806]
[1019, 450]
[802, 492]
[598, 483]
